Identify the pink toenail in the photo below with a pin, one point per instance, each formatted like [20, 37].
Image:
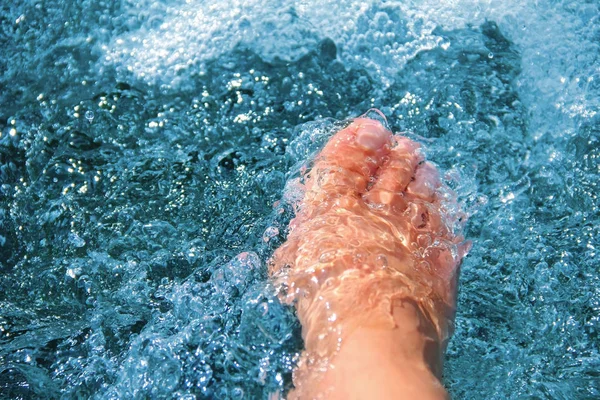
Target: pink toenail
[371, 134]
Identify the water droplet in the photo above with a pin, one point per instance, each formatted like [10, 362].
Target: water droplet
[381, 261]
[358, 258]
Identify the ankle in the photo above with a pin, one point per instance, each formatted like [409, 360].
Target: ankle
[377, 362]
[418, 334]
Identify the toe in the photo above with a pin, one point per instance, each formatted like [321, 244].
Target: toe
[396, 174]
[426, 182]
[350, 158]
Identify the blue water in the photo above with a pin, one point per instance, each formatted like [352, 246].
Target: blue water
[145, 145]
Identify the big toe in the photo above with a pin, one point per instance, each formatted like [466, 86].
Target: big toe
[350, 159]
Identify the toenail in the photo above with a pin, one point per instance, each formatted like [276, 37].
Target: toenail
[372, 135]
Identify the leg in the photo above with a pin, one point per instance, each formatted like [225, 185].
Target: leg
[371, 267]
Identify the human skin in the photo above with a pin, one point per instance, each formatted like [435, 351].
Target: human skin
[371, 264]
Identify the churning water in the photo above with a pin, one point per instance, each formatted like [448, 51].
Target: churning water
[144, 146]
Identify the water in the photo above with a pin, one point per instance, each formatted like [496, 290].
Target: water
[145, 147]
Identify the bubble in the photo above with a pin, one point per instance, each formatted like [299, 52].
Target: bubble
[490, 55]
[358, 258]
[89, 115]
[381, 261]
[237, 393]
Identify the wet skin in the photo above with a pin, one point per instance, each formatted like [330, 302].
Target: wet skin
[371, 265]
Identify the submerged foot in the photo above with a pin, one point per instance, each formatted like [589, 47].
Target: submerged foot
[371, 235]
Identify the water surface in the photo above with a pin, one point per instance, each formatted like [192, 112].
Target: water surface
[145, 145]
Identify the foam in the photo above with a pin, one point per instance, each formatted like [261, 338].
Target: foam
[175, 40]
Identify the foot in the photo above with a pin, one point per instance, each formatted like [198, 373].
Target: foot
[371, 245]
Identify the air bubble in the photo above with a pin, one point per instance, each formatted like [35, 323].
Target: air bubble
[89, 115]
[381, 261]
[490, 55]
[237, 393]
[358, 258]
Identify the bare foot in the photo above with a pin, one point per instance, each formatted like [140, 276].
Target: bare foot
[370, 247]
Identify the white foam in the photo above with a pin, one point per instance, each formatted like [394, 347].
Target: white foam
[175, 37]
[560, 58]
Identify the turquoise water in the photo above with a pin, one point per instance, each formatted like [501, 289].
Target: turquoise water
[144, 147]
